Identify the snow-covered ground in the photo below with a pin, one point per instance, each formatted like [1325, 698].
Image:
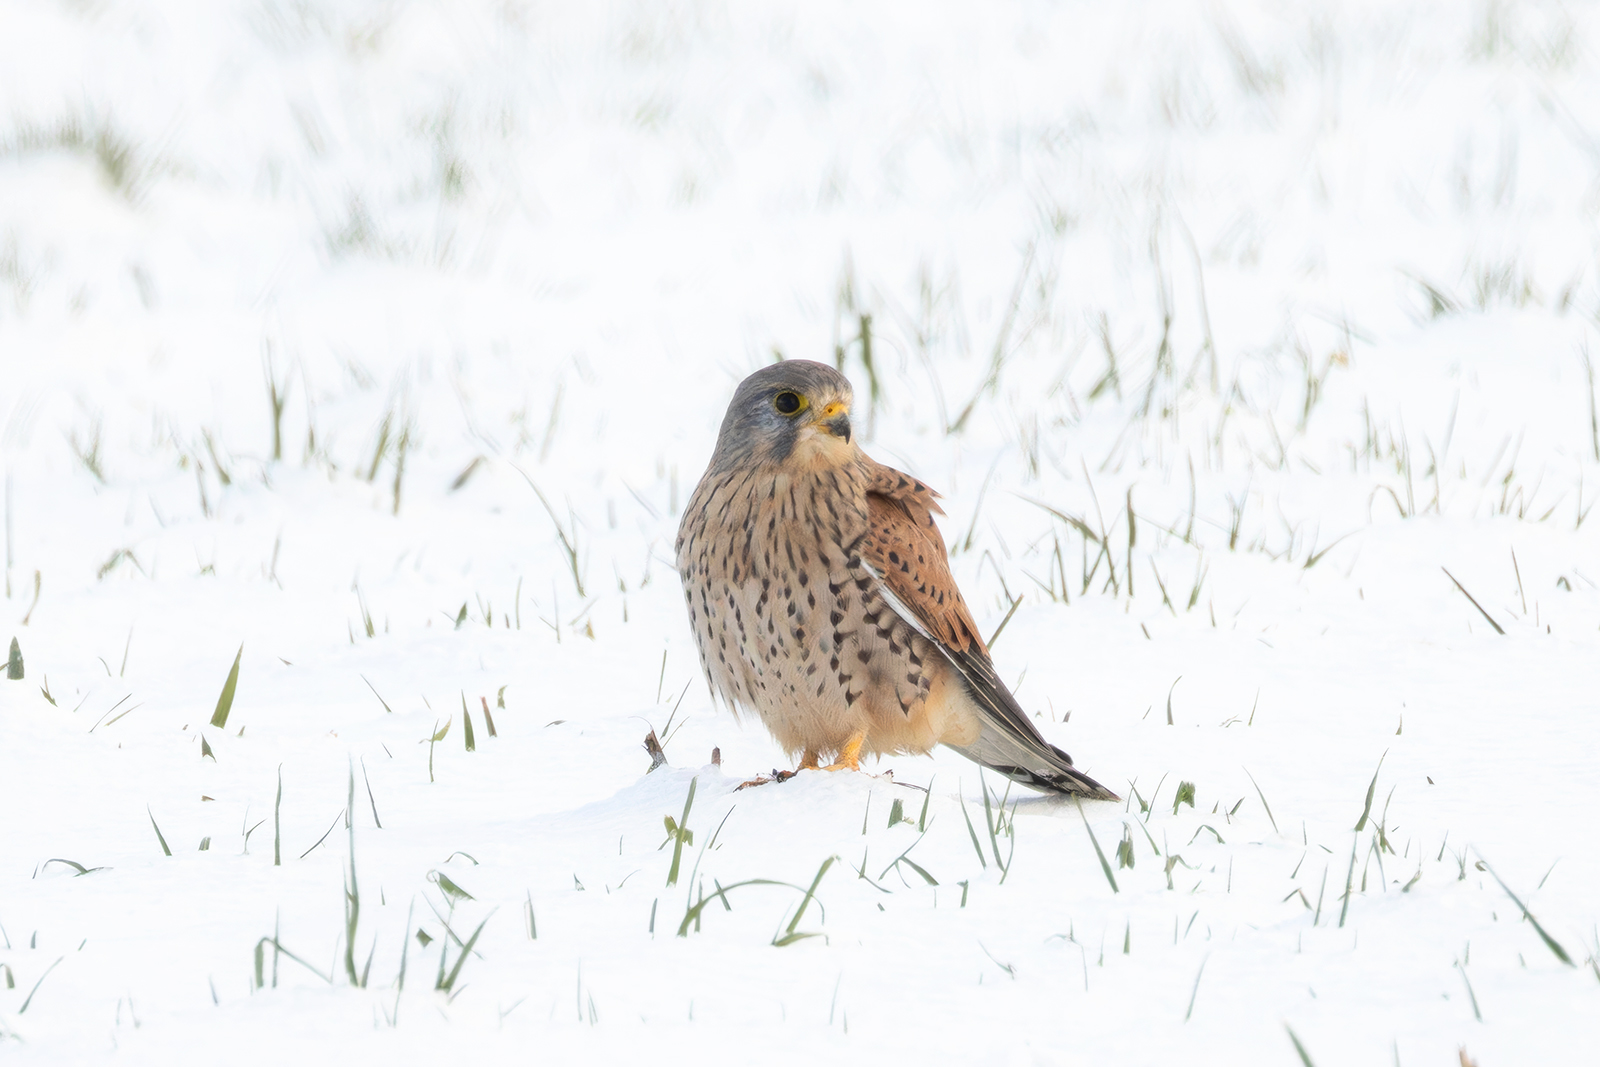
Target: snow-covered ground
[387, 340]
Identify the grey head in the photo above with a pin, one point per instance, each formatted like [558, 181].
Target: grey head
[777, 407]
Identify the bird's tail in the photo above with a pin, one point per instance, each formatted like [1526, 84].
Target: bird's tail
[1008, 742]
[1033, 761]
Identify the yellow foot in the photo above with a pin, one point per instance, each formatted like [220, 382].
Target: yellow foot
[849, 757]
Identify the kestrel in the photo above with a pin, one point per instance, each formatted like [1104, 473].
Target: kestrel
[820, 595]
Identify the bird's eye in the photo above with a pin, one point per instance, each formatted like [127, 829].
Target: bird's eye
[788, 403]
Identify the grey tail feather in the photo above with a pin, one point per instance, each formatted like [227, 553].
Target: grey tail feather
[1038, 764]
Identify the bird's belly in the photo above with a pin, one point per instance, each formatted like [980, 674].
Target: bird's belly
[820, 668]
[784, 660]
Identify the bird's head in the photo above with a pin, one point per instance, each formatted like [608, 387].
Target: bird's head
[793, 411]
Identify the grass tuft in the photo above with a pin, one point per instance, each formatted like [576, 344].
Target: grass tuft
[447, 983]
[999, 824]
[791, 934]
[1125, 857]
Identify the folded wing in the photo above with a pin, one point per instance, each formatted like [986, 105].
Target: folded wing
[906, 554]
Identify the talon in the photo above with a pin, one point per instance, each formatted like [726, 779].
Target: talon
[762, 779]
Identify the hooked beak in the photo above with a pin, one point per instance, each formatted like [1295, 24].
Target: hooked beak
[835, 419]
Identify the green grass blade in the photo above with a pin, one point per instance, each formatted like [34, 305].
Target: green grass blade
[1196, 991]
[278, 947]
[1104, 866]
[1305, 1057]
[375, 693]
[453, 892]
[691, 916]
[163, 840]
[926, 877]
[1263, 797]
[466, 950]
[219, 718]
[810, 893]
[39, 983]
[1366, 811]
[975, 846]
[277, 823]
[681, 834]
[1550, 942]
[902, 857]
[1349, 880]
[789, 939]
[352, 889]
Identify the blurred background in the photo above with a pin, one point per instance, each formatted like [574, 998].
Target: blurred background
[388, 339]
[392, 243]
[1281, 272]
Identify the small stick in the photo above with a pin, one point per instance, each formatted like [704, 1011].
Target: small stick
[653, 746]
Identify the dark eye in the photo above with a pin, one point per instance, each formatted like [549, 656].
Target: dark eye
[788, 403]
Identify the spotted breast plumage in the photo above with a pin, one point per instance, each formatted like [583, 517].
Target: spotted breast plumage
[820, 595]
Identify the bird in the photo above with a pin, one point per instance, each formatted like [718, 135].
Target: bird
[820, 595]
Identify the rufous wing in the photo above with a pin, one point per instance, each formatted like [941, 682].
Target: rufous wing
[905, 549]
[906, 553]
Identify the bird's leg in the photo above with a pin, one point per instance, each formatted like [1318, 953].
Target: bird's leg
[808, 762]
[849, 757]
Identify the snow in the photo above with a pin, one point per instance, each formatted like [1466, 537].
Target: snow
[1307, 293]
